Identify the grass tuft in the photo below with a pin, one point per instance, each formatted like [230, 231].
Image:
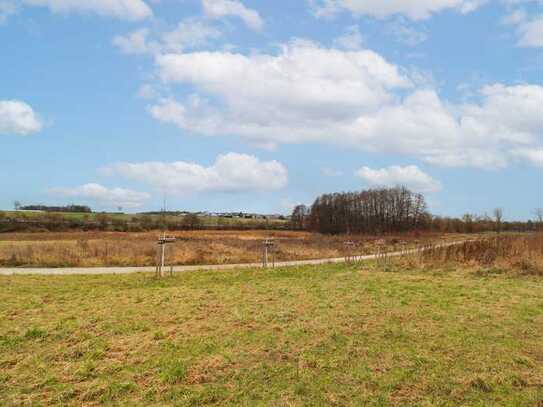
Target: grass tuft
[35, 333]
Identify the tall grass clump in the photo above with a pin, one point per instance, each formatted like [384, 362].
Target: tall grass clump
[509, 253]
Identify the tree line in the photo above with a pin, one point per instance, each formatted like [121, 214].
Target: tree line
[393, 210]
[375, 211]
[46, 208]
[64, 222]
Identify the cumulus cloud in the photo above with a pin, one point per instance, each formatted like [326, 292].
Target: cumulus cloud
[102, 196]
[233, 8]
[411, 177]
[230, 173]
[305, 89]
[188, 34]
[413, 9]
[18, 118]
[307, 93]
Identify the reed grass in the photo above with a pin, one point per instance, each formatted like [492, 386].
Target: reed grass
[510, 254]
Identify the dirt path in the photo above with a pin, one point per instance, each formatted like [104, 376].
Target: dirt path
[180, 269]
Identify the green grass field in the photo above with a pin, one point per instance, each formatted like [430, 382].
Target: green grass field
[328, 335]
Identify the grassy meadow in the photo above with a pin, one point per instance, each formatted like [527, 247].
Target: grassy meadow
[377, 334]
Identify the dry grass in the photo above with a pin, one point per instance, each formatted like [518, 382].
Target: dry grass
[511, 254]
[94, 249]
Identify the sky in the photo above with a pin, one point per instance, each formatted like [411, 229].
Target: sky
[255, 105]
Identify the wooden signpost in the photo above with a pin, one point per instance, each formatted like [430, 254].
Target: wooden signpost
[162, 243]
[268, 252]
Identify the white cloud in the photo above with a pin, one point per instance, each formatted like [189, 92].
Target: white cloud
[411, 177]
[351, 39]
[226, 8]
[18, 118]
[307, 93]
[265, 98]
[189, 34]
[134, 42]
[533, 156]
[531, 33]
[102, 196]
[413, 9]
[123, 9]
[529, 27]
[230, 173]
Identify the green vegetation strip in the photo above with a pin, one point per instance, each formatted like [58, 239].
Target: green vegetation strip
[341, 336]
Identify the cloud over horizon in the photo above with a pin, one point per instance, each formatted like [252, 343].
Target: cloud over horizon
[230, 173]
[103, 196]
[410, 176]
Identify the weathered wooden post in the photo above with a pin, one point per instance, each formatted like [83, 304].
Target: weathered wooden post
[349, 247]
[162, 243]
[267, 249]
[381, 251]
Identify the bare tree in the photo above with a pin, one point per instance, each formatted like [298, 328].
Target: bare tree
[378, 211]
[299, 217]
[17, 205]
[192, 221]
[498, 216]
[539, 217]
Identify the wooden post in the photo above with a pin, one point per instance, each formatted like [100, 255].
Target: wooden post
[349, 251]
[162, 242]
[162, 260]
[267, 250]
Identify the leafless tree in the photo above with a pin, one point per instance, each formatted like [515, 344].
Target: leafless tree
[299, 217]
[192, 221]
[498, 216]
[382, 210]
[539, 217]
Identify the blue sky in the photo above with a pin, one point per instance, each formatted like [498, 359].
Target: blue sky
[259, 105]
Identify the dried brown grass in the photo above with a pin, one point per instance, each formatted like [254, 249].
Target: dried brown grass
[95, 249]
[517, 254]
